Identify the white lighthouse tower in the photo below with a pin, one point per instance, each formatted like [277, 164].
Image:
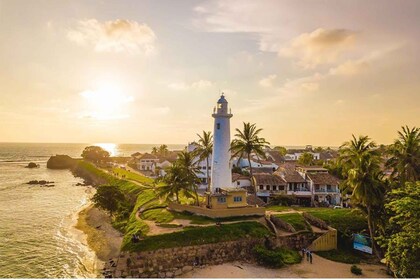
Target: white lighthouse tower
[221, 176]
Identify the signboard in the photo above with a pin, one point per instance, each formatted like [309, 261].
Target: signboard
[362, 243]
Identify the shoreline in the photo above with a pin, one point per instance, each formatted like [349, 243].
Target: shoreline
[99, 234]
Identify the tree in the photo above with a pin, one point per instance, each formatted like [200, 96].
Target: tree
[108, 198]
[247, 142]
[204, 151]
[154, 151]
[405, 156]
[360, 160]
[172, 183]
[319, 149]
[163, 150]
[281, 150]
[306, 159]
[95, 154]
[403, 239]
[190, 171]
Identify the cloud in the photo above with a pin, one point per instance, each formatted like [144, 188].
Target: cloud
[198, 85]
[268, 81]
[322, 46]
[114, 36]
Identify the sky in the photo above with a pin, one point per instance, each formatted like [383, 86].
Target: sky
[307, 72]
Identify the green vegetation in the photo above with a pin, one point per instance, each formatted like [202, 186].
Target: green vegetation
[247, 142]
[356, 270]
[95, 154]
[276, 258]
[346, 221]
[204, 151]
[343, 256]
[133, 176]
[402, 238]
[279, 208]
[199, 235]
[296, 220]
[109, 198]
[306, 159]
[169, 225]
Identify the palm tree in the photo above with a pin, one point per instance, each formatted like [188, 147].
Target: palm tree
[163, 150]
[361, 161]
[172, 183]
[190, 170]
[154, 151]
[246, 143]
[405, 156]
[306, 159]
[205, 150]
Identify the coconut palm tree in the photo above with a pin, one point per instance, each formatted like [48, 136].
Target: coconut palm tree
[163, 150]
[154, 151]
[361, 161]
[186, 160]
[204, 151]
[172, 183]
[247, 142]
[405, 156]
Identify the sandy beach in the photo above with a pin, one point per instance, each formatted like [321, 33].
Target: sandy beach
[320, 268]
[101, 237]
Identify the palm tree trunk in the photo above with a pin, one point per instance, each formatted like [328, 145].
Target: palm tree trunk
[372, 233]
[252, 181]
[196, 196]
[177, 197]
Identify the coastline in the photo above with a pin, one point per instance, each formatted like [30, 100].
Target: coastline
[100, 236]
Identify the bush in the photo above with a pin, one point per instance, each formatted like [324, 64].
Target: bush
[284, 200]
[342, 256]
[268, 257]
[356, 270]
[276, 258]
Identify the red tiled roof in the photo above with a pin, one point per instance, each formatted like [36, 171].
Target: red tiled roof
[323, 179]
[148, 156]
[268, 179]
[237, 176]
[293, 177]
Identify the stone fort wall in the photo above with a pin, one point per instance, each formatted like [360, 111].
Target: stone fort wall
[172, 262]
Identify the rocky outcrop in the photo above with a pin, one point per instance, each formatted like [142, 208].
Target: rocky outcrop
[42, 183]
[32, 165]
[61, 162]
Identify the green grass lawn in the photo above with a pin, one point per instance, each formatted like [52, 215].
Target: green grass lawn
[296, 220]
[344, 220]
[134, 176]
[199, 235]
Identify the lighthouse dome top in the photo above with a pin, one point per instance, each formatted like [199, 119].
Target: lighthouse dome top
[222, 99]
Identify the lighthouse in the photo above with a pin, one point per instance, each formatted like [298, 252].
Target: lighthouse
[221, 176]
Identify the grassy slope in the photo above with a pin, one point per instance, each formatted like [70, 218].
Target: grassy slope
[296, 220]
[134, 176]
[200, 235]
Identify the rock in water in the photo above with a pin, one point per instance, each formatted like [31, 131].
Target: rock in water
[61, 162]
[32, 165]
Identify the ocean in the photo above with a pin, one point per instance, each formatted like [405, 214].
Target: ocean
[37, 234]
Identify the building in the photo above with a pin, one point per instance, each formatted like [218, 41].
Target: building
[222, 194]
[311, 186]
[146, 162]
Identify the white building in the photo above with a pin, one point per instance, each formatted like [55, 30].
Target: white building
[221, 173]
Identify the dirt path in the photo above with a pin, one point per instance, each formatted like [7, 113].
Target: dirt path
[320, 268]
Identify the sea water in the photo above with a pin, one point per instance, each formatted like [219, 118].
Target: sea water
[37, 234]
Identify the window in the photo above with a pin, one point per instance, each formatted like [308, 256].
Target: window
[268, 187]
[218, 125]
[261, 187]
[274, 188]
[219, 105]
[238, 183]
[221, 199]
[237, 198]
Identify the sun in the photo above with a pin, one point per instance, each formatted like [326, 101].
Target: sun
[106, 101]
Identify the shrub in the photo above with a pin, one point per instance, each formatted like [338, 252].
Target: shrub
[285, 200]
[356, 270]
[268, 257]
[343, 256]
[276, 258]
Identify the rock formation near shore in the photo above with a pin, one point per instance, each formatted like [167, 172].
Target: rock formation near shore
[61, 162]
[32, 165]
